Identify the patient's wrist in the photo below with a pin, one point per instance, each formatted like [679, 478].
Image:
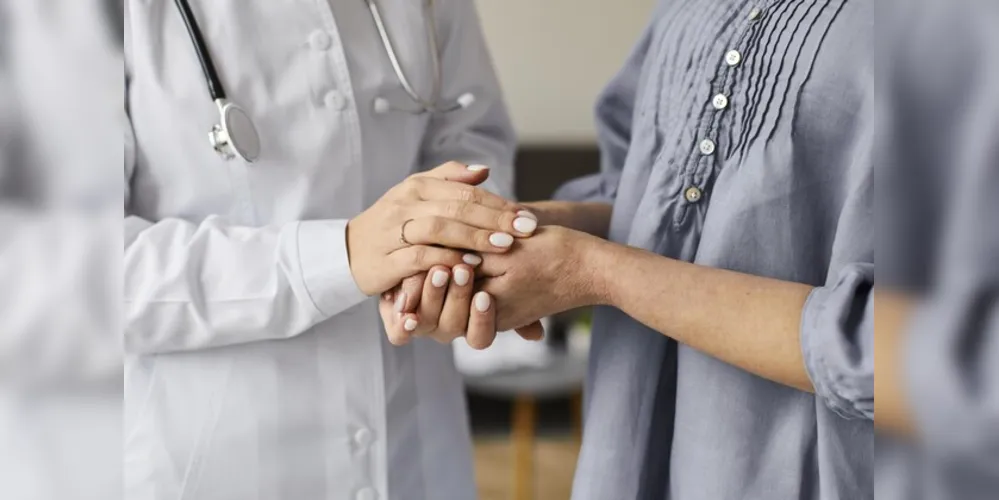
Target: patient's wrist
[597, 259]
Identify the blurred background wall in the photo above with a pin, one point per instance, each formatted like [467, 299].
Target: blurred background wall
[553, 58]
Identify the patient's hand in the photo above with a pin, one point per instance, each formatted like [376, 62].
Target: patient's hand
[543, 275]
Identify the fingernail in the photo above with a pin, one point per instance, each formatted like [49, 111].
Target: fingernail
[525, 224]
[400, 302]
[525, 213]
[461, 276]
[482, 301]
[501, 240]
[477, 168]
[439, 279]
[471, 259]
[409, 325]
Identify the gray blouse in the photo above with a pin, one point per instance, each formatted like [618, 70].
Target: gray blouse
[734, 137]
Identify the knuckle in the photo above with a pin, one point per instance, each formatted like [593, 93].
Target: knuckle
[413, 185]
[419, 256]
[476, 195]
[455, 209]
[481, 239]
[505, 220]
[466, 194]
[436, 226]
[396, 210]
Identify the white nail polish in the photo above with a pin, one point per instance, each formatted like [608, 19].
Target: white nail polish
[501, 240]
[525, 213]
[471, 259]
[477, 168]
[525, 224]
[400, 302]
[461, 276]
[482, 301]
[439, 279]
[409, 325]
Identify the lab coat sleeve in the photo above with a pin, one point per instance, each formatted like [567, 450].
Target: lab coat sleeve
[481, 133]
[191, 286]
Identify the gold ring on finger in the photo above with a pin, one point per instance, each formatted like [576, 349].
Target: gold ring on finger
[402, 233]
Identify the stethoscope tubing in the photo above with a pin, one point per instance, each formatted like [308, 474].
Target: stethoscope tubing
[431, 27]
[215, 88]
[246, 145]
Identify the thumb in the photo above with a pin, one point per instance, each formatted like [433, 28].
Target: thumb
[459, 172]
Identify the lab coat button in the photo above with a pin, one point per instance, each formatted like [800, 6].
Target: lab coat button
[319, 40]
[366, 494]
[335, 100]
[363, 438]
[755, 13]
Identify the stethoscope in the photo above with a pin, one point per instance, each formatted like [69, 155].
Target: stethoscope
[236, 136]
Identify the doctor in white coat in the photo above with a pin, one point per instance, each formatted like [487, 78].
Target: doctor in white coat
[256, 363]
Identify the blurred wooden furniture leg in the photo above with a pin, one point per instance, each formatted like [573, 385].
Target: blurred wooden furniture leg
[523, 447]
[577, 416]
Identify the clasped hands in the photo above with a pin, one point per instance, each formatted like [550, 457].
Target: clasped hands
[450, 259]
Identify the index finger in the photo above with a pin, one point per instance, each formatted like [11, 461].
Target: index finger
[456, 171]
[431, 189]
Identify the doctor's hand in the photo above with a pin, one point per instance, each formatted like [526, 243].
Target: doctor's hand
[447, 308]
[403, 232]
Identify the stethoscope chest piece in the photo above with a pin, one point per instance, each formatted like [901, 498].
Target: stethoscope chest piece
[234, 135]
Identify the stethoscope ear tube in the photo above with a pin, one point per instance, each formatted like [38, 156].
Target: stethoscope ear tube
[207, 66]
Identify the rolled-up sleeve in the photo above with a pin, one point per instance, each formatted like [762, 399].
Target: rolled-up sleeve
[837, 339]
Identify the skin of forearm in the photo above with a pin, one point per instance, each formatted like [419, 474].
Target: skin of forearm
[891, 409]
[747, 321]
[588, 217]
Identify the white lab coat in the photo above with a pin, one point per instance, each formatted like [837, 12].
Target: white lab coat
[255, 367]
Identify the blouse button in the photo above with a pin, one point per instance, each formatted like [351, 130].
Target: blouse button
[733, 57]
[707, 147]
[719, 101]
[754, 14]
[693, 194]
